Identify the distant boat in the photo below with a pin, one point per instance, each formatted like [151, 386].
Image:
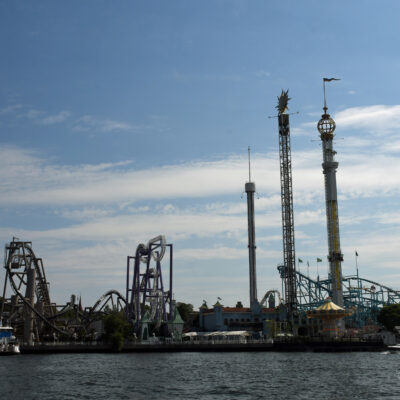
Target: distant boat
[8, 342]
[395, 347]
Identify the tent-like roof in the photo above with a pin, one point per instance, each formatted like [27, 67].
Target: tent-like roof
[329, 310]
[329, 305]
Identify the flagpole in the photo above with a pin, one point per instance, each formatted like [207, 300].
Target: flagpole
[356, 255]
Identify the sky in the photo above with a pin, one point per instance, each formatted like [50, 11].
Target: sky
[124, 120]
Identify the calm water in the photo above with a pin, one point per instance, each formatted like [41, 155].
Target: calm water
[201, 376]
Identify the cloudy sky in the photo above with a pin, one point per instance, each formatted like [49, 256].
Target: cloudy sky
[122, 120]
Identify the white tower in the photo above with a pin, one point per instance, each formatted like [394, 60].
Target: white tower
[250, 189]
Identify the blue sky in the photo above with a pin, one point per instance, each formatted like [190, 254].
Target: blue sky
[120, 121]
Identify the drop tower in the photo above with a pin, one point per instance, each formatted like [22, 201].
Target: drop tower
[288, 272]
[326, 127]
[250, 188]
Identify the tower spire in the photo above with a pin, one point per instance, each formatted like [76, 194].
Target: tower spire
[326, 127]
[248, 150]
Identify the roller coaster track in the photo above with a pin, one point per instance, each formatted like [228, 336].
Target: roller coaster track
[365, 296]
[19, 257]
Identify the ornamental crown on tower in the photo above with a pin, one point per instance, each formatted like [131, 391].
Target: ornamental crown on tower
[283, 100]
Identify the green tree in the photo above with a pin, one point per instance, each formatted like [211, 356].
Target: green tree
[389, 316]
[116, 329]
[185, 309]
[239, 304]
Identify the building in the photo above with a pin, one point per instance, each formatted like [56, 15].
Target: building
[254, 319]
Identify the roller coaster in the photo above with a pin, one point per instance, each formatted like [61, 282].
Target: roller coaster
[148, 293]
[364, 296]
[28, 307]
[26, 303]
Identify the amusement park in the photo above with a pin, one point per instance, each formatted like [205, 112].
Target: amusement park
[338, 307]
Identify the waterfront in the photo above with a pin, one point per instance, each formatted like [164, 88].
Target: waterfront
[203, 376]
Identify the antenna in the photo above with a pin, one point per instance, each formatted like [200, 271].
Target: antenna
[248, 150]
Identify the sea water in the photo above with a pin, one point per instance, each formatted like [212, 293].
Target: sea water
[253, 375]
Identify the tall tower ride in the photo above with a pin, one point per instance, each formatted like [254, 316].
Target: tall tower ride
[250, 188]
[289, 271]
[326, 127]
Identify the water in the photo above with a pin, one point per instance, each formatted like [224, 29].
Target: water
[201, 376]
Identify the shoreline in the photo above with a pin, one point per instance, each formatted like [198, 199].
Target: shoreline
[292, 346]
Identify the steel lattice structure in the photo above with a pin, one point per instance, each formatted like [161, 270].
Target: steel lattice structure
[146, 297]
[289, 257]
[364, 296]
[27, 306]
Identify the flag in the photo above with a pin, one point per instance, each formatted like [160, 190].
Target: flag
[331, 79]
[356, 254]
[300, 260]
[319, 260]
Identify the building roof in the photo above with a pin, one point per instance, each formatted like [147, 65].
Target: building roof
[216, 333]
[238, 310]
[329, 305]
[329, 311]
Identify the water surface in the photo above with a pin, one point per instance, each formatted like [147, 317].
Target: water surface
[201, 376]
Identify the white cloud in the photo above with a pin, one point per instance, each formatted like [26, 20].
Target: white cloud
[106, 183]
[85, 213]
[262, 74]
[89, 122]
[9, 109]
[33, 114]
[27, 179]
[55, 119]
[379, 119]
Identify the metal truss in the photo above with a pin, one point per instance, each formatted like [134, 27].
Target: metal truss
[289, 258]
[364, 296]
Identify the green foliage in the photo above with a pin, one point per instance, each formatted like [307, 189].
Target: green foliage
[185, 310]
[116, 329]
[239, 304]
[117, 341]
[389, 316]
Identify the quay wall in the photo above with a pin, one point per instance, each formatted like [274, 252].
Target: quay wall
[282, 346]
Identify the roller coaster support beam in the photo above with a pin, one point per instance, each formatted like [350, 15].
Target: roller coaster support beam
[28, 313]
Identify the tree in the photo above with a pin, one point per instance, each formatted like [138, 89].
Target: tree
[239, 304]
[185, 309]
[389, 316]
[116, 329]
